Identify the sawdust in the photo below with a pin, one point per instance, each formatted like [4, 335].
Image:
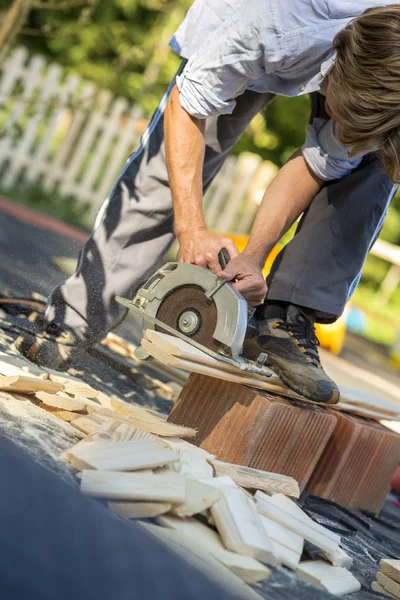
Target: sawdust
[38, 433]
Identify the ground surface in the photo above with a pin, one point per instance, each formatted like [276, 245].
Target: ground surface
[27, 252]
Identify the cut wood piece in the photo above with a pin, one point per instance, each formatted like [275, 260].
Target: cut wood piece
[239, 524]
[310, 531]
[391, 568]
[142, 419]
[181, 349]
[203, 561]
[257, 479]
[64, 415]
[61, 401]
[391, 586]
[131, 486]
[28, 385]
[139, 510]
[88, 423]
[339, 558]
[287, 546]
[202, 537]
[336, 580]
[80, 389]
[178, 444]
[120, 431]
[199, 497]
[377, 587]
[126, 456]
[193, 466]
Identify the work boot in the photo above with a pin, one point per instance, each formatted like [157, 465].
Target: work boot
[50, 347]
[287, 336]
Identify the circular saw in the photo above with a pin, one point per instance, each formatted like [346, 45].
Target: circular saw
[195, 305]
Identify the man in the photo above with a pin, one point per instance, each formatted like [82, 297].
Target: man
[241, 53]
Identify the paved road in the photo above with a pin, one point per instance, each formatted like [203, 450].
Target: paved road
[28, 246]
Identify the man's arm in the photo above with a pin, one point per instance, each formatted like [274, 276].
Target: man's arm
[185, 148]
[290, 193]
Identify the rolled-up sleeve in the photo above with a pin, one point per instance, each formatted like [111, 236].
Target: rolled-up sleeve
[232, 56]
[325, 155]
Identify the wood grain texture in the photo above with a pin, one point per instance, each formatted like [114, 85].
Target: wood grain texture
[391, 568]
[257, 479]
[336, 580]
[254, 429]
[131, 486]
[357, 465]
[388, 584]
[201, 536]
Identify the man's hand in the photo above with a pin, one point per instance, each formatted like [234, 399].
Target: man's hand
[201, 247]
[250, 281]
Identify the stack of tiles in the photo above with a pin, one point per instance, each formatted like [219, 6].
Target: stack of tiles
[357, 464]
[252, 428]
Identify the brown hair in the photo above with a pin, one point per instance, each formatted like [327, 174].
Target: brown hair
[365, 86]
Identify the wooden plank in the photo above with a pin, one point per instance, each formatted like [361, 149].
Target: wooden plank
[377, 587]
[142, 419]
[336, 580]
[192, 465]
[131, 486]
[88, 423]
[61, 401]
[64, 415]
[287, 546]
[388, 584]
[199, 497]
[310, 531]
[203, 561]
[126, 456]
[238, 522]
[23, 384]
[139, 510]
[257, 479]
[202, 537]
[391, 568]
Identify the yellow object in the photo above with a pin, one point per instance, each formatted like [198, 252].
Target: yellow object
[331, 336]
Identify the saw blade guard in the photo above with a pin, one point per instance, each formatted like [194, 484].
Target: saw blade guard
[227, 307]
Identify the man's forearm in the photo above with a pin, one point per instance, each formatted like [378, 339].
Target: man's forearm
[290, 193]
[185, 148]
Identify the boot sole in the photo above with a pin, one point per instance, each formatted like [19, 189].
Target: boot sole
[302, 390]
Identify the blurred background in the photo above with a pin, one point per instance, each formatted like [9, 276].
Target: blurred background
[79, 80]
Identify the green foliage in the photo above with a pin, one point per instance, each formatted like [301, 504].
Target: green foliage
[67, 209]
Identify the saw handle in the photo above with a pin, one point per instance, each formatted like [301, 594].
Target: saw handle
[223, 258]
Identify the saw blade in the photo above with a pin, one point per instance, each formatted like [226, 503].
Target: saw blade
[188, 310]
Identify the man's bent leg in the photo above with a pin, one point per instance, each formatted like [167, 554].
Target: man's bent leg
[132, 234]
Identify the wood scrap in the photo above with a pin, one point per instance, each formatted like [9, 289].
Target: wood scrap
[389, 585]
[125, 456]
[203, 561]
[61, 401]
[88, 423]
[391, 568]
[64, 415]
[193, 465]
[202, 537]
[178, 444]
[377, 587]
[142, 419]
[199, 497]
[131, 486]
[335, 580]
[257, 479]
[24, 384]
[139, 510]
[287, 546]
[288, 517]
[238, 522]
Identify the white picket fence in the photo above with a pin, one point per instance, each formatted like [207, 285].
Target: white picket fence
[73, 138]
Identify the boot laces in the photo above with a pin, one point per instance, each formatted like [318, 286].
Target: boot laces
[303, 331]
